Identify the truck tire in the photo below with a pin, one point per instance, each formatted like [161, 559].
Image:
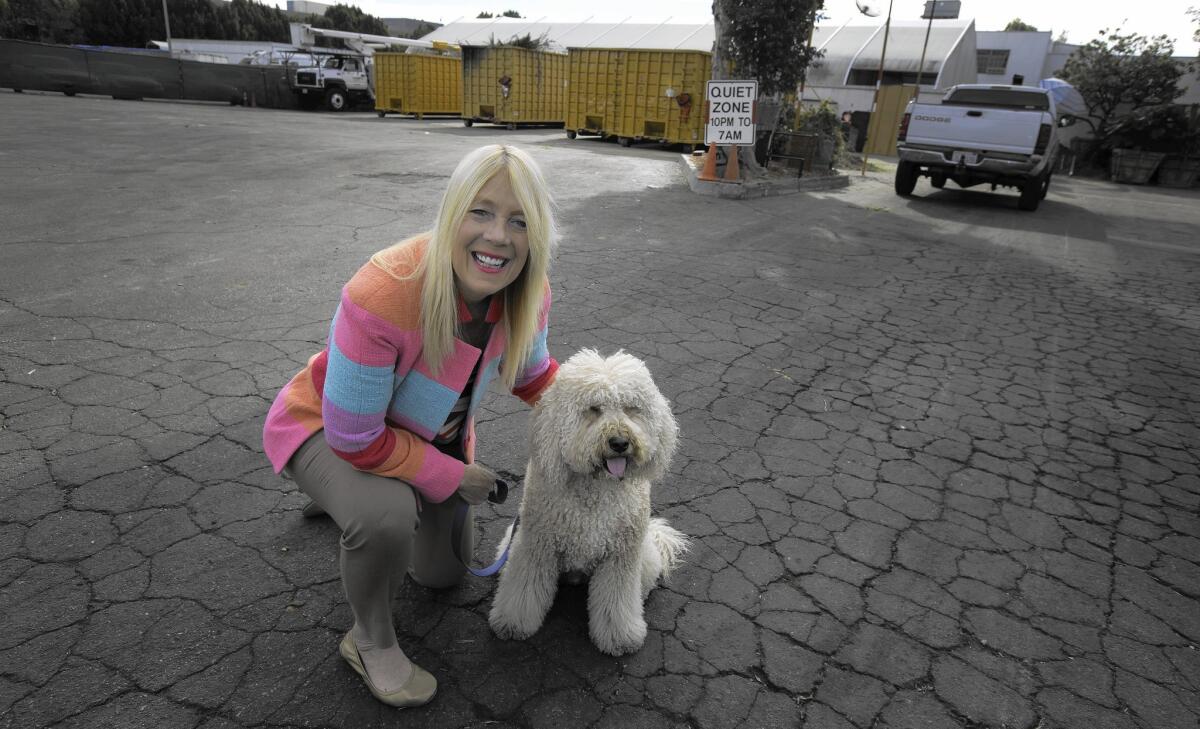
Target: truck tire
[906, 178]
[571, 134]
[1031, 194]
[1046, 186]
[336, 99]
[468, 122]
[938, 181]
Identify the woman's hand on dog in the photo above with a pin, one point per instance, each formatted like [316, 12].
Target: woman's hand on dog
[477, 482]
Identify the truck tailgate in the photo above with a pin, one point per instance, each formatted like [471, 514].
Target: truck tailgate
[974, 127]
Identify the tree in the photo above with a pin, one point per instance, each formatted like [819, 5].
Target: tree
[1018, 24]
[767, 41]
[1061, 37]
[354, 20]
[135, 22]
[422, 29]
[484, 14]
[253, 21]
[1119, 75]
[46, 21]
[510, 14]
[129, 23]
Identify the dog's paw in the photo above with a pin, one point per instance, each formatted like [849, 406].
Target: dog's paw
[510, 627]
[618, 640]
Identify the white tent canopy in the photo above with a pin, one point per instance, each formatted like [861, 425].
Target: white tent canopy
[858, 47]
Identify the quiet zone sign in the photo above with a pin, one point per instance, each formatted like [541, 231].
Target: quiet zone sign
[731, 112]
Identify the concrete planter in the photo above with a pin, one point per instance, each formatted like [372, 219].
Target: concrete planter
[1178, 172]
[1134, 166]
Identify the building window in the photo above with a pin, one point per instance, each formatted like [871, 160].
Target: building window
[868, 77]
[992, 62]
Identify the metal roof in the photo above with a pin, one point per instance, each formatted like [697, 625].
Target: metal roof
[660, 36]
[906, 40]
[859, 46]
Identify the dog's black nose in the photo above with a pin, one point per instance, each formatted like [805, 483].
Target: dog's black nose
[619, 445]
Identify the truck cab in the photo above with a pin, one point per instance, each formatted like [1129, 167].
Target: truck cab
[339, 80]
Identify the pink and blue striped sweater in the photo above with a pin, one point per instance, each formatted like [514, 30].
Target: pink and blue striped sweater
[377, 400]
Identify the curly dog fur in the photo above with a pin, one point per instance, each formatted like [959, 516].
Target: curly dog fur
[600, 435]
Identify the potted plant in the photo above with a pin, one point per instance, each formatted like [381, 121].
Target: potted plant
[812, 133]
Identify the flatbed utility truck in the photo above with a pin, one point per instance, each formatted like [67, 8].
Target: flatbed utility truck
[342, 77]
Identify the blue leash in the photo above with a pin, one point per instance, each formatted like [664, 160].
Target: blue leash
[498, 496]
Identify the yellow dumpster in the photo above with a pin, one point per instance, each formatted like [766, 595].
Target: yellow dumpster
[593, 89]
[418, 84]
[509, 85]
[653, 95]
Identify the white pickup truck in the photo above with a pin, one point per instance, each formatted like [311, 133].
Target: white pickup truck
[979, 133]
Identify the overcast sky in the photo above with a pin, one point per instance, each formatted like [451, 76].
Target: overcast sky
[1079, 18]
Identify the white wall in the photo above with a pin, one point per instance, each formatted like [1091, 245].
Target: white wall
[1027, 54]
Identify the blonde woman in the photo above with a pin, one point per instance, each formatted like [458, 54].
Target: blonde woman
[378, 428]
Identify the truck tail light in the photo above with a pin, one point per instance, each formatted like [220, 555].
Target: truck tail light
[1042, 140]
[903, 134]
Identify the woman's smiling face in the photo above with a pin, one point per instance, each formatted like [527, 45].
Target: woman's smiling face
[492, 245]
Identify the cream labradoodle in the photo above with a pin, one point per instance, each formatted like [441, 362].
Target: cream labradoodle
[600, 435]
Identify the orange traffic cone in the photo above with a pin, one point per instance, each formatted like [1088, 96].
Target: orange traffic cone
[709, 172]
[731, 167]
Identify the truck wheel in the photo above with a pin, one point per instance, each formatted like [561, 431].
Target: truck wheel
[381, 114]
[938, 181]
[468, 122]
[336, 100]
[625, 141]
[1031, 194]
[906, 178]
[1046, 186]
[571, 134]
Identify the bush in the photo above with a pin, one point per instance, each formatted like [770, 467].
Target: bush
[1165, 128]
[821, 120]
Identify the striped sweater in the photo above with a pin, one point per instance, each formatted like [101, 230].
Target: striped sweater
[377, 400]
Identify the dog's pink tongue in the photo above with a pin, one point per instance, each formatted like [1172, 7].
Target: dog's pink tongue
[616, 466]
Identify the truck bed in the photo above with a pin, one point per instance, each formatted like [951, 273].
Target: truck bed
[971, 127]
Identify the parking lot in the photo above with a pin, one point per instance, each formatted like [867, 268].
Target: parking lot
[938, 456]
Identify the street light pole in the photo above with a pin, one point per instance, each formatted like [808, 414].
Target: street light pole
[921, 66]
[942, 10]
[887, 27]
[167, 22]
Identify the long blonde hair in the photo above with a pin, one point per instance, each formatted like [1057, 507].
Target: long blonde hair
[523, 297]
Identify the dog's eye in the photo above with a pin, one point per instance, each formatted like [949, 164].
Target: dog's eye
[594, 410]
[632, 410]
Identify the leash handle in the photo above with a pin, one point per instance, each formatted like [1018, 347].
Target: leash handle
[498, 495]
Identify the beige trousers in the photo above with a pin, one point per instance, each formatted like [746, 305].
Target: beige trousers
[387, 531]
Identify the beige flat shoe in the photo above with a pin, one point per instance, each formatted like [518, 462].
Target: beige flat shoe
[419, 690]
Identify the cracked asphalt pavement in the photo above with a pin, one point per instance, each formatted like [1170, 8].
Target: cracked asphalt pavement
[938, 456]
